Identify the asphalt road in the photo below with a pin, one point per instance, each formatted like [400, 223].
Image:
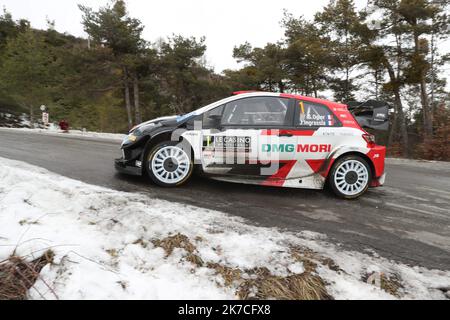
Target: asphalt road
[407, 220]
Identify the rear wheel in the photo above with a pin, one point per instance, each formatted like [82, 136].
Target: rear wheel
[350, 177]
[169, 165]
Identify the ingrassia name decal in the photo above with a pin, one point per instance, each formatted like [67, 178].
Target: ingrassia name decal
[298, 148]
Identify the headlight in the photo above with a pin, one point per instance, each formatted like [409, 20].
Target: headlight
[137, 132]
[132, 137]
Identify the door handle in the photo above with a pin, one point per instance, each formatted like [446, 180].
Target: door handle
[286, 135]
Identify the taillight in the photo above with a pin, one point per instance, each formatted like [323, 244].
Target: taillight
[370, 139]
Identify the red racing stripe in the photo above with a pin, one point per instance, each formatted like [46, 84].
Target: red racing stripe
[276, 132]
[279, 177]
[319, 166]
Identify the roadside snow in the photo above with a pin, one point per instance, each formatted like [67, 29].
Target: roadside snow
[103, 244]
[54, 131]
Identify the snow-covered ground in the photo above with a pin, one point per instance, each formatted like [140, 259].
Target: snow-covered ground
[106, 246]
[10, 120]
[53, 130]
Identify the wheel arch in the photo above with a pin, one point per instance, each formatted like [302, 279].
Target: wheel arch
[158, 138]
[355, 153]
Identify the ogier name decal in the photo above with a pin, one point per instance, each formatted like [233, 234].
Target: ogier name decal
[296, 148]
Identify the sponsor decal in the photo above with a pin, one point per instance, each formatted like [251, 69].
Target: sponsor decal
[312, 118]
[227, 142]
[380, 117]
[304, 148]
[330, 120]
[302, 107]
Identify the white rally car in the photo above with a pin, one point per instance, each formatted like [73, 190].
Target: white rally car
[270, 139]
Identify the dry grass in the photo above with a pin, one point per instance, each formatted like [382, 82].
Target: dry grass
[141, 242]
[177, 241]
[180, 241]
[310, 259]
[17, 276]
[259, 283]
[228, 274]
[305, 286]
[391, 284]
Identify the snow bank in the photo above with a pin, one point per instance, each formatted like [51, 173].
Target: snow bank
[104, 245]
[10, 120]
[54, 131]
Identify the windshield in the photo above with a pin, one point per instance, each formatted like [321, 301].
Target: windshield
[198, 111]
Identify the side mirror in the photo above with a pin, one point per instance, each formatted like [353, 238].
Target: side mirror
[215, 117]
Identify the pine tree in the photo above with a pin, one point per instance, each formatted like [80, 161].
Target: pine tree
[27, 70]
[111, 26]
[344, 26]
[268, 63]
[307, 55]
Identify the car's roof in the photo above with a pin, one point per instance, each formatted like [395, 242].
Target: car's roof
[241, 94]
[248, 94]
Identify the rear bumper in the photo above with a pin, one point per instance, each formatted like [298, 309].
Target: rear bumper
[124, 167]
[378, 182]
[377, 155]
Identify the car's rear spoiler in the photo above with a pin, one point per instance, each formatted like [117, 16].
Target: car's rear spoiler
[371, 114]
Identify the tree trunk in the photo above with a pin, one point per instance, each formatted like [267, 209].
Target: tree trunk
[376, 76]
[433, 52]
[137, 109]
[427, 117]
[402, 123]
[281, 86]
[393, 130]
[398, 107]
[31, 117]
[127, 97]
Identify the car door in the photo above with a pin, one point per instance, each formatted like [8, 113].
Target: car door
[316, 137]
[239, 144]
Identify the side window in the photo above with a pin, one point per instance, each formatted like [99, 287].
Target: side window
[212, 118]
[257, 111]
[315, 115]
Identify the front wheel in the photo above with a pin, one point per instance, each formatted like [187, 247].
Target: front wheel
[350, 177]
[169, 165]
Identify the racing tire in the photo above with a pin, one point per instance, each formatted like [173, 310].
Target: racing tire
[350, 177]
[169, 164]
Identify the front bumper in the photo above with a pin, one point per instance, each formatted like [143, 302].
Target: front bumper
[125, 167]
